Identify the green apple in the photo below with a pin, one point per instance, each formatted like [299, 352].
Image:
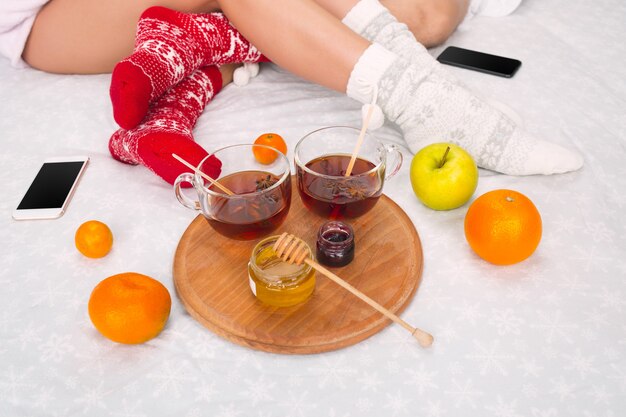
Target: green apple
[444, 176]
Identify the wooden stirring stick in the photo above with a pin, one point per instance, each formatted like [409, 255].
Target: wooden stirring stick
[205, 176]
[359, 141]
[293, 250]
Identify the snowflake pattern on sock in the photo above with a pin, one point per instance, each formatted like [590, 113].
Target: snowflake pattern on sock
[169, 46]
[168, 127]
[432, 108]
[431, 105]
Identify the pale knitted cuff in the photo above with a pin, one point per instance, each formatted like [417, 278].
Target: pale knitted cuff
[368, 71]
[362, 14]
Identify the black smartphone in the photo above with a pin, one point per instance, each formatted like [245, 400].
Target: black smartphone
[479, 61]
[51, 190]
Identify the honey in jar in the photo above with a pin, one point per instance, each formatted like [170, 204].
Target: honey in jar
[275, 282]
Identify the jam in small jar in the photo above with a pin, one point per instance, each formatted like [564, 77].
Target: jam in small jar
[278, 283]
[335, 244]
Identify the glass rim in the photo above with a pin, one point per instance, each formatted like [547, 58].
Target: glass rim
[201, 180]
[339, 225]
[298, 162]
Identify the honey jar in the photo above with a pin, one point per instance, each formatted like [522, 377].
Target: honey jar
[278, 283]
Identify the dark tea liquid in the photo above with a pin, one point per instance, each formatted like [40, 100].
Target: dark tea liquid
[252, 216]
[346, 197]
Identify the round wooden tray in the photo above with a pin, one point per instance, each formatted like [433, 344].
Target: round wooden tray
[211, 280]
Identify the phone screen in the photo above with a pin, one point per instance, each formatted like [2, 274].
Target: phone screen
[51, 186]
[479, 61]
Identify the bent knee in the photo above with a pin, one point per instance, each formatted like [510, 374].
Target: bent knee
[432, 21]
[441, 21]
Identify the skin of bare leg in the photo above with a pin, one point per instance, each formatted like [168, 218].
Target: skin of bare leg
[307, 40]
[91, 36]
[431, 21]
[227, 73]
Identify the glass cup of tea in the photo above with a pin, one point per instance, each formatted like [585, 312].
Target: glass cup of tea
[260, 194]
[322, 158]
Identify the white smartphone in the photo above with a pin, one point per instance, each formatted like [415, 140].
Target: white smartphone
[51, 190]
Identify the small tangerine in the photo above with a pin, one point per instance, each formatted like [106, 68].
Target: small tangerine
[267, 156]
[93, 239]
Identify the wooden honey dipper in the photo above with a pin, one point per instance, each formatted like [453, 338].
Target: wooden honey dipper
[292, 249]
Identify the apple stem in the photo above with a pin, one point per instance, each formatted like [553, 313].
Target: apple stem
[443, 160]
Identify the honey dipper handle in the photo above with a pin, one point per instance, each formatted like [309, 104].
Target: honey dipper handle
[425, 339]
[359, 142]
[202, 174]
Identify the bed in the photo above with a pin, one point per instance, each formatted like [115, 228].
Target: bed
[545, 337]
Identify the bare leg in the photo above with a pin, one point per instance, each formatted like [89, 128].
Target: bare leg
[309, 41]
[331, 49]
[91, 36]
[431, 21]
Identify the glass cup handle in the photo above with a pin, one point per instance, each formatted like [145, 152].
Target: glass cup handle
[397, 160]
[180, 195]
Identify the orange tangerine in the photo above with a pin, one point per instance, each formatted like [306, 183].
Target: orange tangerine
[93, 239]
[503, 227]
[266, 156]
[129, 307]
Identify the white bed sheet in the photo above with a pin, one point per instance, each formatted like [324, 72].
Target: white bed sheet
[546, 337]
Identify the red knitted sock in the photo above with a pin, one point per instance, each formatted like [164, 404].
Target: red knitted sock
[169, 46]
[168, 128]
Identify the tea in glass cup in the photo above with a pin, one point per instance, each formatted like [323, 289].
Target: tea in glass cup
[322, 158]
[261, 192]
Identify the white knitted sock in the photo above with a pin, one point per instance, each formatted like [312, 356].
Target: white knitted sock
[375, 23]
[430, 105]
